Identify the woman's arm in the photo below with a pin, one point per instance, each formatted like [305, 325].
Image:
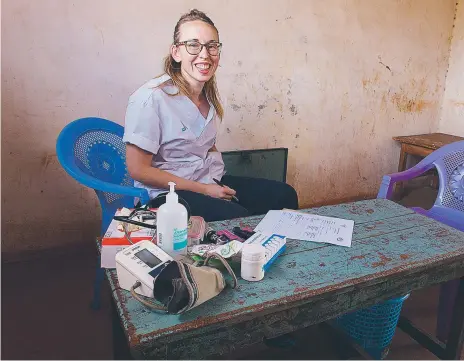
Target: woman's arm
[140, 168]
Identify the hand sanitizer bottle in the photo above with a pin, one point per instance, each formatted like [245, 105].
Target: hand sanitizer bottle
[171, 225]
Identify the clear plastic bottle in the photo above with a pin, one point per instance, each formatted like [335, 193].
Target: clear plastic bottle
[171, 225]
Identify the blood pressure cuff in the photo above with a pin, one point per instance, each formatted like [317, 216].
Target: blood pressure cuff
[179, 287]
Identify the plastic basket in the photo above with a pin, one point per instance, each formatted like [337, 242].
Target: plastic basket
[373, 328]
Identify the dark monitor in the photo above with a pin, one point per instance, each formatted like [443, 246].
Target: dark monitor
[257, 163]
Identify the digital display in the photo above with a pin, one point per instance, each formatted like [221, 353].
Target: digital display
[148, 258]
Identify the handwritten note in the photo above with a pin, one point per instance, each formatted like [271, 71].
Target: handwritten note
[308, 227]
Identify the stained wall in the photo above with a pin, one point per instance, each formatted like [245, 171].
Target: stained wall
[332, 80]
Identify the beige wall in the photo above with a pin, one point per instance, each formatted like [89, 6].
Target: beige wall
[452, 115]
[332, 80]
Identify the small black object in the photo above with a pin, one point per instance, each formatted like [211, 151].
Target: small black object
[242, 233]
[222, 239]
[212, 237]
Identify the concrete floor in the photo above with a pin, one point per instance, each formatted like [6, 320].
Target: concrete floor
[46, 314]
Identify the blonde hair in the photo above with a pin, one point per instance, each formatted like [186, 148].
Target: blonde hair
[173, 69]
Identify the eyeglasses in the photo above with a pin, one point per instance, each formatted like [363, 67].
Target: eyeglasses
[194, 47]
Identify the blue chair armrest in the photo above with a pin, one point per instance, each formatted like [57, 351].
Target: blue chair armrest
[389, 180]
[100, 185]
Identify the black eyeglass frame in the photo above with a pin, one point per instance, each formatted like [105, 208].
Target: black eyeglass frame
[202, 45]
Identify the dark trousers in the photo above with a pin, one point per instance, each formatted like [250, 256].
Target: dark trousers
[256, 196]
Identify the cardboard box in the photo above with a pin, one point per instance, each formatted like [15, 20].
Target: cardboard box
[115, 240]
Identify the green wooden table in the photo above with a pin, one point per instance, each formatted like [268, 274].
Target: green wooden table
[394, 251]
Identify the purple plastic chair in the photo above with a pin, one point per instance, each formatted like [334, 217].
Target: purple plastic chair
[448, 209]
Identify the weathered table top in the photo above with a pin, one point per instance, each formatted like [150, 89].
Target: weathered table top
[429, 141]
[394, 251]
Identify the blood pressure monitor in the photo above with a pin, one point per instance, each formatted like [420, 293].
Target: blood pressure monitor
[142, 262]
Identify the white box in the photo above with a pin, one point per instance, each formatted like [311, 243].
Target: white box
[115, 240]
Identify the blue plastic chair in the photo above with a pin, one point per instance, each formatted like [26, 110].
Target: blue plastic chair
[91, 151]
[448, 209]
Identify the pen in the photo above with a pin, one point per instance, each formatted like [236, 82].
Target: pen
[222, 185]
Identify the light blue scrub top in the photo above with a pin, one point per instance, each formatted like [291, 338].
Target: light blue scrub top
[174, 131]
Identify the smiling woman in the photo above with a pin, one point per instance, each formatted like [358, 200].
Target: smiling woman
[170, 132]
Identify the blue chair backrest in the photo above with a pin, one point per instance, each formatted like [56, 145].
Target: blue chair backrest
[449, 162]
[92, 150]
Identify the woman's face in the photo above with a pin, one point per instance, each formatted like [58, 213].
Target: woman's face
[197, 66]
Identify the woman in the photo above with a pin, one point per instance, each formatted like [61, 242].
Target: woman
[170, 132]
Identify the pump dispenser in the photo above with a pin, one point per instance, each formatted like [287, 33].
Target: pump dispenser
[171, 225]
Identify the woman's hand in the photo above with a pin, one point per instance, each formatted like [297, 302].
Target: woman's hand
[216, 191]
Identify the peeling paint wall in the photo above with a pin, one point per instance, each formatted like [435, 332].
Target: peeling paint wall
[332, 80]
[452, 115]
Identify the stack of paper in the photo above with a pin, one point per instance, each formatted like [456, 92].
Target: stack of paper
[307, 227]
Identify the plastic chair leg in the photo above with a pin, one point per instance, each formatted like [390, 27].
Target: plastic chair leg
[448, 291]
[99, 275]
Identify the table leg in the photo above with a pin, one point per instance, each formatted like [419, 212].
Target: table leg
[456, 336]
[453, 348]
[446, 299]
[435, 180]
[120, 347]
[403, 159]
[401, 167]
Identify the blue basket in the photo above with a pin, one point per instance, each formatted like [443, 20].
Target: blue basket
[373, 328]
